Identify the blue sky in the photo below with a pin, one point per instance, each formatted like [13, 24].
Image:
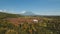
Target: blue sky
[41, 7]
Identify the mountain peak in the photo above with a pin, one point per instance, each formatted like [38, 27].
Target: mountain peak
[28, 13]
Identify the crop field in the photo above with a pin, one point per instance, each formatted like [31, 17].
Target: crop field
[30, 25]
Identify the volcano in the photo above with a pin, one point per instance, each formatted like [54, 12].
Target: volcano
[27, 13]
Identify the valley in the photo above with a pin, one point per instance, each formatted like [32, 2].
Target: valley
[19, 24]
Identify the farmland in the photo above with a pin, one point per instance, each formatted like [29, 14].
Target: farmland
[18, 24]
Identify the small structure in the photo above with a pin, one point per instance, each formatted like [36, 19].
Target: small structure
[35, 20]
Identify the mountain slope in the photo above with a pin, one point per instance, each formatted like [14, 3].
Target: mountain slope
[28, 13]
[8, 15]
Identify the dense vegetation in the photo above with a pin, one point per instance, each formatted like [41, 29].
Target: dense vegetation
[48, 26]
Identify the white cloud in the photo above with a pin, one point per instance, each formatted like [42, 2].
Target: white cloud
[1, 10]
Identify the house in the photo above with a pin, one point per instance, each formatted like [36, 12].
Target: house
[35, 20]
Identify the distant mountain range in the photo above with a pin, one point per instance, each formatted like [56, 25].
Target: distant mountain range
[25, 13]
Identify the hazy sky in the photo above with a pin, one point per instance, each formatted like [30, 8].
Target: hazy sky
[42, 7]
